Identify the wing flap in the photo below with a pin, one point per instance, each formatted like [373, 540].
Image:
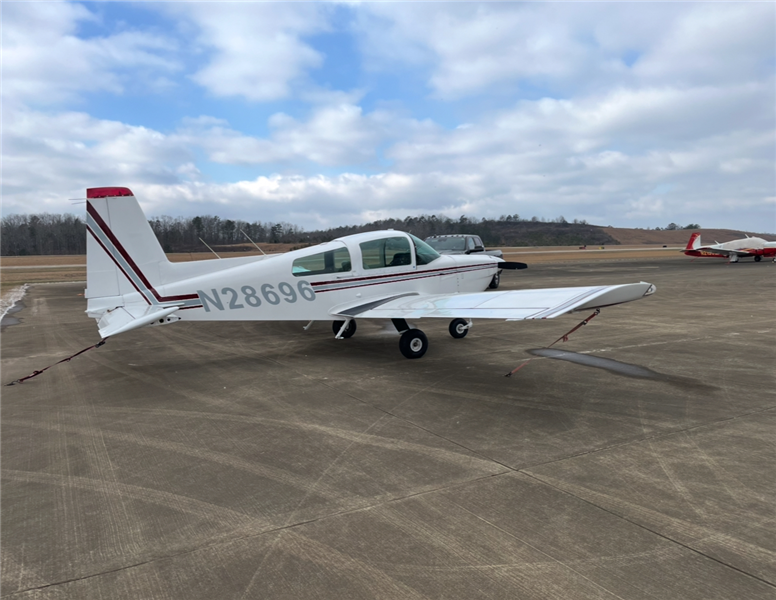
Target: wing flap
[514, 305]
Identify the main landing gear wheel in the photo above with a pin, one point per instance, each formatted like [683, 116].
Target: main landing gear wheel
[459, 328]
[351, 329]
[413, 343]
[758, 258]
[494, 282]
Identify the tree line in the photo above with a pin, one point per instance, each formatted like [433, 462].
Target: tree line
[42, 234]
[66, 234]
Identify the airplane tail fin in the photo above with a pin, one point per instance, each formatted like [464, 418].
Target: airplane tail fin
[123, 255]
[125, 265]
[695, 241]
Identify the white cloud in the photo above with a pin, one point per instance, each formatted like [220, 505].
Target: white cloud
[50, 157]
[713, 43]
[686, 130]
[255, 50]
[334, 135]
[45, 62]
[470, 48]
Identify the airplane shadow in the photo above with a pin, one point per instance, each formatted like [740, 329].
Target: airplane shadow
[621, 368]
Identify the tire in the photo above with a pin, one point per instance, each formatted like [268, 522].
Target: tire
[494, 282]
[337, 325]
[458, 328]
[758, 258]
[413, 343]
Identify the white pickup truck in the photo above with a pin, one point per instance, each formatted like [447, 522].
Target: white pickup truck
[464, 243]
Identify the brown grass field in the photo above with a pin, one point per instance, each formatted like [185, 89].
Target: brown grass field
[18, 270]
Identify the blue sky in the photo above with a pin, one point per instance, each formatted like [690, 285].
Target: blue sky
[323, 114]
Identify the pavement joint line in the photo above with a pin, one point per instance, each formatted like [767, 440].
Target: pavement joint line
[539, 550]
[280, 529]
[524, 471]
[641, 439]
[648, 438]
[652, 531]
[432, 433]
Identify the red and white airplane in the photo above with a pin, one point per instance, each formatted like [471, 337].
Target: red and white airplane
[387, 275]
[733, 250]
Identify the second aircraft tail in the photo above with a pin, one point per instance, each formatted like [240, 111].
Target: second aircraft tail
[695, 242]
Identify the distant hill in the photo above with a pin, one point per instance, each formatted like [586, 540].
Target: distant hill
[678, 237]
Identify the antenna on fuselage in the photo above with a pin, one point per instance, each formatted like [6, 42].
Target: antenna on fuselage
[209, 248]
[254, 243]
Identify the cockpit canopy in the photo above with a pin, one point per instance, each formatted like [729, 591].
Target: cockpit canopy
[394, 249]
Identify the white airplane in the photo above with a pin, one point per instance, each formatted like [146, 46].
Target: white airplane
[387, 275]
[733, 250]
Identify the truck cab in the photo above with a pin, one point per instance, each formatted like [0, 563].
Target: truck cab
[464, 243]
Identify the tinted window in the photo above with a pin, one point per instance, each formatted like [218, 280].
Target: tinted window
[424, 253]
[331, 261]
[387, 252]
[446, 244]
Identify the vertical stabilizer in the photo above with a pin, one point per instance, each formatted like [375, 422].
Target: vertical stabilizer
[122, 253]
[695, 241]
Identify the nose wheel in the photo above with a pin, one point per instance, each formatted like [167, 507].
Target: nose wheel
[459, 328]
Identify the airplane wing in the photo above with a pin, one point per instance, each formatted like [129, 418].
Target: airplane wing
[516, 305]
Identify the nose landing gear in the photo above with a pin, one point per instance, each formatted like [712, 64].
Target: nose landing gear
[459, 328]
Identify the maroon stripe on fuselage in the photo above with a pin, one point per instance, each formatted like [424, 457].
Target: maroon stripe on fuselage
[456, 269]
[106, 230]
[370, 281]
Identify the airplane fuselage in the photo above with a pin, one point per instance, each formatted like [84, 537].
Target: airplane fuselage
[307, 284]
[732, 250]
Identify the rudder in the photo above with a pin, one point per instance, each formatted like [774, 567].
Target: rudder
[122, 253]
[695, 242]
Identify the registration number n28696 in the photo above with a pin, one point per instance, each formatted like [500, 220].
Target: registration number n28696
[232, 299]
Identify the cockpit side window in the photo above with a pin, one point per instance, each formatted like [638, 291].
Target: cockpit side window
[331, 261]
[386, 252]
[424, 253]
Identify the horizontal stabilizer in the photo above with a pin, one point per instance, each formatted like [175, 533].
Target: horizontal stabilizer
[125, 318]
